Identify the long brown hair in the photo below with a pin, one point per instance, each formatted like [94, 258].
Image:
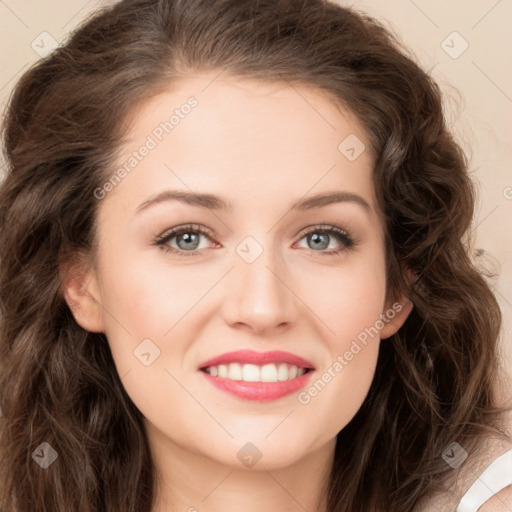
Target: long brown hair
[65, 122]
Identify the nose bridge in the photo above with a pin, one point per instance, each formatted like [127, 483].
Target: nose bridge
[259, 296]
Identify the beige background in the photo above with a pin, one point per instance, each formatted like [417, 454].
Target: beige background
[477, 83]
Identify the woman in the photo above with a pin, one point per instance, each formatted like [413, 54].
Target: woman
[234, 271]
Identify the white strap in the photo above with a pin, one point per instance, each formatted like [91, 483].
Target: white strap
[495, 478]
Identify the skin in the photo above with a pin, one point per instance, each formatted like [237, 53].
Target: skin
[500, 502]
[262, 146]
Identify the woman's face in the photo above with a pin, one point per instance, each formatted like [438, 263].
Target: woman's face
[257, 271]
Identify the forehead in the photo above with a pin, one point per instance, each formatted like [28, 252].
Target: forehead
[248, 137]
[227, 103]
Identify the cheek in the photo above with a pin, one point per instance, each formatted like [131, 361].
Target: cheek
[158, 302]
[148, 332]
[350, 304]
[348, 298]
[148, 297]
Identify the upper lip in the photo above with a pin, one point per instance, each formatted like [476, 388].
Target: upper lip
[258, 358]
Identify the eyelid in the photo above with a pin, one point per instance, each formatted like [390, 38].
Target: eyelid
[187, 227]
[323, 227]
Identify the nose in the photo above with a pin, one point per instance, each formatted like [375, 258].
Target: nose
[259, 297]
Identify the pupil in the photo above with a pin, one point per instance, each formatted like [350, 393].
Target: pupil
[189, 239]
[316, 238]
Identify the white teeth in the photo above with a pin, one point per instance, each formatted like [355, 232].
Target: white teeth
[254, 373]
[282, 372]
[268, 373]
[235, 371]
[250, 373]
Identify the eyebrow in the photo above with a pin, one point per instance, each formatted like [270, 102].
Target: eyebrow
[214, 202]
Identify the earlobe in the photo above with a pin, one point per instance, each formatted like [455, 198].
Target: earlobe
[397, 313]
[80, 290]
[395, 317]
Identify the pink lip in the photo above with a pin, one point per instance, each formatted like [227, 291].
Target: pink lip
[259, 391]
[259, 358]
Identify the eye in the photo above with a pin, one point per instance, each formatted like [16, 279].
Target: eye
[187, 237]
[319, 237]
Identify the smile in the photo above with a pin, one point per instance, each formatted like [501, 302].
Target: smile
[257, 376]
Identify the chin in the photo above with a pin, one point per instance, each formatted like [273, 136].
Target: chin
[260, 454]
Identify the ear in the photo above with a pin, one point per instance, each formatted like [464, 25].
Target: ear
[80, 289]
[397, 311]
[395, 316]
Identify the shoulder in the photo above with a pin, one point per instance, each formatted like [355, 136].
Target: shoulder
[500, 502]
[483, 470]
[497, 476]
[468, 476]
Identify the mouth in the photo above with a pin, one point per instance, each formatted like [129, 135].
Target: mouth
[257, 376]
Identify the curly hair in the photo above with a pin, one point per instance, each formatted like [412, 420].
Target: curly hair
[64, 125]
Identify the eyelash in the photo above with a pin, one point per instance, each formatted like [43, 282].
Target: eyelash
[343, 236]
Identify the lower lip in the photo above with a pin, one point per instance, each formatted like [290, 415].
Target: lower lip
[259, 391]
